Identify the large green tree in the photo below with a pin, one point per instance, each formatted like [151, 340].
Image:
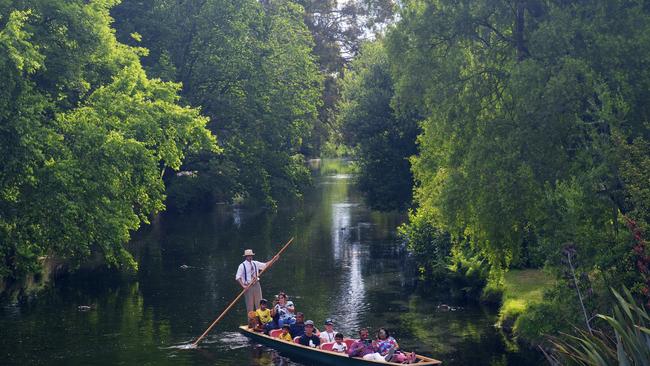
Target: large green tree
[85, 136]
[249, 66]
[530, 110]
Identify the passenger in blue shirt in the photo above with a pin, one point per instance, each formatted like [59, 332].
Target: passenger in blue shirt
[298, 328]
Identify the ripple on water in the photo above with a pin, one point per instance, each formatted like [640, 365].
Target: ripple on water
[340, 176]
[11, 310]
[227, 341]
[224, 341]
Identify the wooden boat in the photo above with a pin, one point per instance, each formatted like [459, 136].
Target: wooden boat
[321, 356]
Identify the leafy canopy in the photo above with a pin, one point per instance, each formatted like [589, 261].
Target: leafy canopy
[84, 134]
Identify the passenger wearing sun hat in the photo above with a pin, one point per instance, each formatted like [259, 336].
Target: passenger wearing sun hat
[247, 273]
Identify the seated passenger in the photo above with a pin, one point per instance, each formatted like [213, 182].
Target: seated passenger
[309, 338]
[387, 347]
[365, 348]
[339, 346]
[283, 311]
[285, 335]
[264, 313]
[328, 334]
[298, 328]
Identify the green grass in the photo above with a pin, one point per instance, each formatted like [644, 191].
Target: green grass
[521, 289]
[526, 284]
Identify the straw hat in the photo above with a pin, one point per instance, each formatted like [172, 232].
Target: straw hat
[248, 252]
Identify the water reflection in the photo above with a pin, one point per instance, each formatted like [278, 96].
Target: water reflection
[237, 216]
[340, 232]
[349, 303]
[346, 264]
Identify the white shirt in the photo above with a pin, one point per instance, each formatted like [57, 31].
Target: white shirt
[284, 310]
[340, 347]
[326, 337]
[249, 270]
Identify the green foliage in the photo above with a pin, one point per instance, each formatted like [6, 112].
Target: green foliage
[430, 246]
[339, 28]
[249, 66]
[534, 129]
[482, 166]
[470, 274]
[382, 140]
[624, 343]
[492, 294]
[84, 136]
[543, 318]
[442, 265]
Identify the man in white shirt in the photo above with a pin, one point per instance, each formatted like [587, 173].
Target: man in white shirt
[328, 334]
[247, 272]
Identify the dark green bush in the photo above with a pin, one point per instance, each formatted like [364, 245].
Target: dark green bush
[492, 295]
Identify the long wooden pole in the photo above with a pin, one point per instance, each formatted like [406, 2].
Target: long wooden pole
[275, 258]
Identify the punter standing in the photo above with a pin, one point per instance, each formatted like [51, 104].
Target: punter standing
[246, 273]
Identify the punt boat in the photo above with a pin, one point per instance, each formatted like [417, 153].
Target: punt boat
[322, 356]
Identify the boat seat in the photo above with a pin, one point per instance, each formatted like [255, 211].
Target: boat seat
[275, 333]
[296, 340]
[327, 346]
[349, 342]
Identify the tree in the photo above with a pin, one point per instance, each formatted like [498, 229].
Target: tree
[382, 139]
[533, 128]
[249, 66]
[339, 28]
[85, 136]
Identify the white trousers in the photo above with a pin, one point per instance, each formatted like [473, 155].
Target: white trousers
[374, 357]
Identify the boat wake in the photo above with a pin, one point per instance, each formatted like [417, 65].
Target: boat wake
[184, 345]
[224, 341]
[231, 340]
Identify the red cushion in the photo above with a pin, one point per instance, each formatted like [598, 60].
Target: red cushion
[349, 342]
[296, 340]
[275, 333]
[327, 346]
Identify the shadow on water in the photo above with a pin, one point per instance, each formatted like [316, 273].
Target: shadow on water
[346, 263]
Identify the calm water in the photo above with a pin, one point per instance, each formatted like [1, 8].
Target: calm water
[345, 263]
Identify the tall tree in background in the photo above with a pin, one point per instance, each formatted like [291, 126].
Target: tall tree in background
[383, 140]
[85, 136]
[339, 28]
[249, 66]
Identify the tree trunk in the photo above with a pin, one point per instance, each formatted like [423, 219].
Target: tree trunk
[520, 42]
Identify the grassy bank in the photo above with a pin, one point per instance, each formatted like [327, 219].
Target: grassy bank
[522, 288]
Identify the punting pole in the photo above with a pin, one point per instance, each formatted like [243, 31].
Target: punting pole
[232, 303]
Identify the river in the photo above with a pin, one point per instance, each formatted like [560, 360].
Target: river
[346, 263]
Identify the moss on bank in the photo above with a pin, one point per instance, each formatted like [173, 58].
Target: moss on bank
[522, 288]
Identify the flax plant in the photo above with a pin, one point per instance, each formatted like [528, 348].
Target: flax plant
[626, 343]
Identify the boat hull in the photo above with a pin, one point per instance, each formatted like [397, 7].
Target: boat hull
[318, 356]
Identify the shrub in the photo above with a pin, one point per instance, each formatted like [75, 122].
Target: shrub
[630, 327]
[541, 319]
[492, 295]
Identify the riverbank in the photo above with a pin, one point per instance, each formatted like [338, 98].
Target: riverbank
[50, 268]
[522, 288]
